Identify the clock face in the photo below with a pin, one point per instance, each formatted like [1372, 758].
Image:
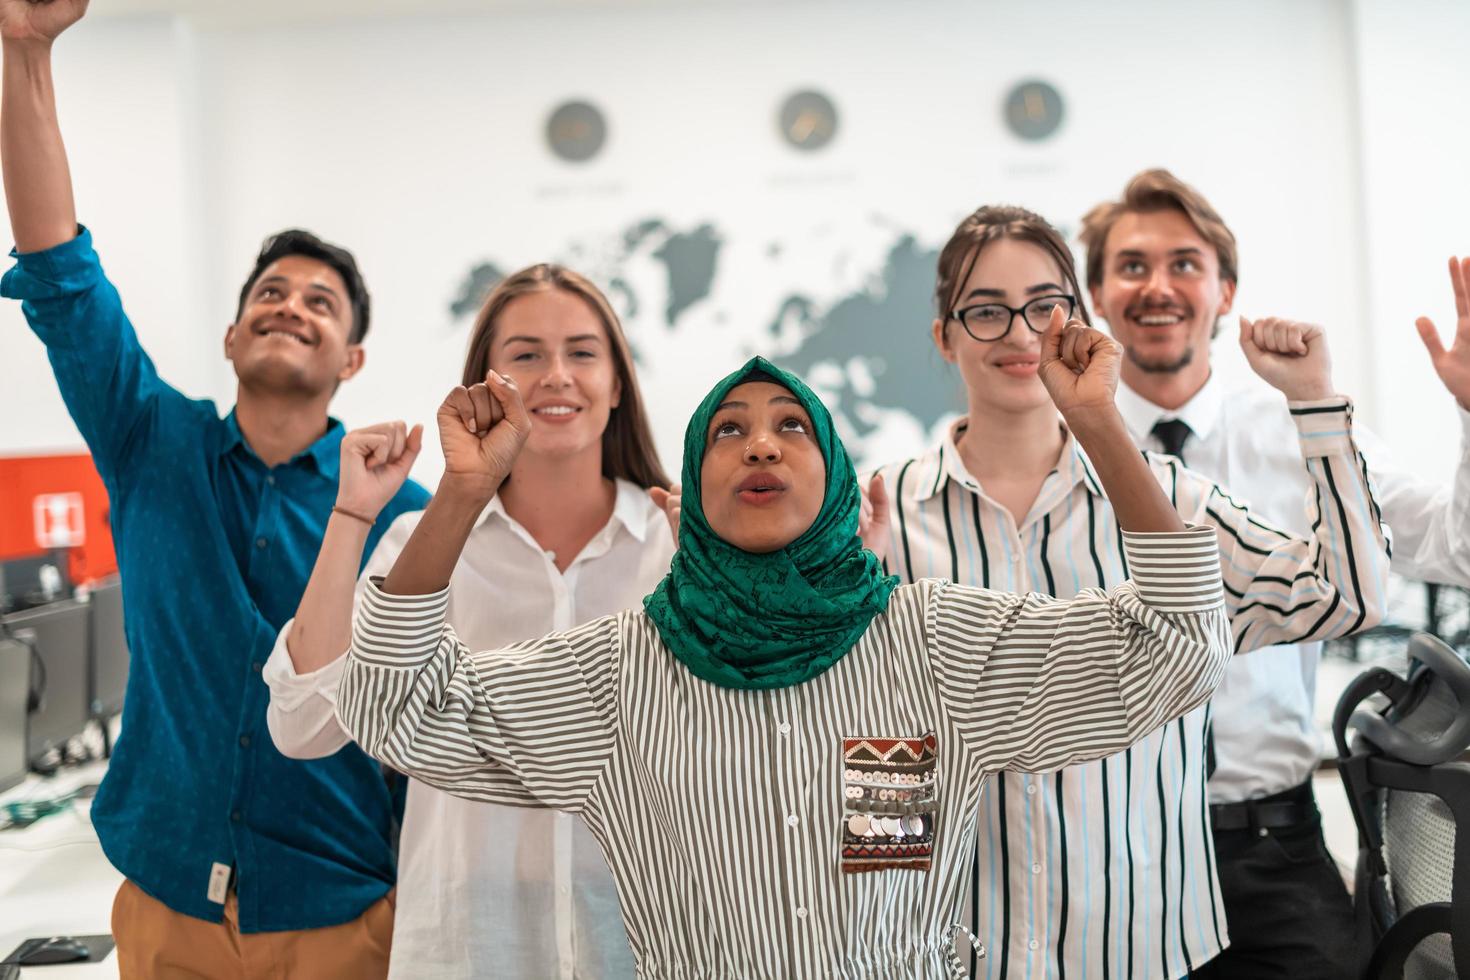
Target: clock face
[1033, 110]
[808, 120]
[576, 131]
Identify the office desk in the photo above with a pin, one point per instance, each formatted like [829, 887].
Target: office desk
[54, 880]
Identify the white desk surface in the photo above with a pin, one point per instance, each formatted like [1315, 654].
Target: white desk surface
[54, 880]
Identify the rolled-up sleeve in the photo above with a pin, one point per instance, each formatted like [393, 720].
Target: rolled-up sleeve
[1036, 683]
[532, 724]
[302, 715]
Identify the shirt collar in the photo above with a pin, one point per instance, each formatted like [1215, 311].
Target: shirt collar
[1073, 466]
[324, 454]
[631, 508]
[1201, 413]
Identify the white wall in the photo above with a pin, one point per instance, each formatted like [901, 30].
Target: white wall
[122, 88]
[418, 143]
[1414, 80]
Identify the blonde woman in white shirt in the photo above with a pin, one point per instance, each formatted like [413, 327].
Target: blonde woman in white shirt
[487, 890]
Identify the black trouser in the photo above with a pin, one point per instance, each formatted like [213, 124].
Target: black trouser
[1287, 907]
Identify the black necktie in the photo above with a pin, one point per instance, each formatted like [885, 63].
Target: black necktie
[1172, 435]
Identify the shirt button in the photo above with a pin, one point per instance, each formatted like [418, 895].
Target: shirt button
[1036, 869]
[784, 728]
[1030, 789]
[792, 820]
[800, 912]
[260, 542]
[565, 890]
[1032, 944]
[257, 666]
[1015, 559]
[270, 479]
[244, 741]
[235, 815]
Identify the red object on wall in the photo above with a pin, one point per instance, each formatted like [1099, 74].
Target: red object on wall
[49, 502]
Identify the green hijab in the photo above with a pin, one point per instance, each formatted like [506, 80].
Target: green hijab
[755, 622]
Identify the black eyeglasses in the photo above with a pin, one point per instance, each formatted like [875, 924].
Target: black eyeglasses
[988, 322]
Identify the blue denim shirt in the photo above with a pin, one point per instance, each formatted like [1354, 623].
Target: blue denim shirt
[215, 548]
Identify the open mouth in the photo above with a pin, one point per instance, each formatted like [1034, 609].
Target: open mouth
[1158, 319]
[557, 413]
[760, 488]
[279, 332]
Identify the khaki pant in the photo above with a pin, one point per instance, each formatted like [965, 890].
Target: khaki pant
[156, 943]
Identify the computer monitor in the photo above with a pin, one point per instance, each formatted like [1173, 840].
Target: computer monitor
[109, 661]
[15, 691]
[33, 580]
[59, 631]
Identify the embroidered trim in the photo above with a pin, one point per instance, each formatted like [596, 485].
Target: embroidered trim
[890, 803]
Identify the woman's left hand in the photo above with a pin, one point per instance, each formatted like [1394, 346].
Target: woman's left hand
[1079, 366]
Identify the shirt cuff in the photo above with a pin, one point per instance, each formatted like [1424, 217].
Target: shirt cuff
[71, 267]
[290, 690]
[397, 630]
[1175, 571]
[1324, 426]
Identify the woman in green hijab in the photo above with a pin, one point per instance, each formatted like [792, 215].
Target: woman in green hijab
[781, 753]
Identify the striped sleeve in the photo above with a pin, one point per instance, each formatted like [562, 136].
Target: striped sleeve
[1281, 588]
[1035, 683]
[530, 725]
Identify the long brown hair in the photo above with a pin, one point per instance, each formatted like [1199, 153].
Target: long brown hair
[958, 257]
[628, 451]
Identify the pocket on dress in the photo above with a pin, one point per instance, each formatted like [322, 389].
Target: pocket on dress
[890, 803]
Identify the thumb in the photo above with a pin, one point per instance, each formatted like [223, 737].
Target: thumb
[878, 496]
[1430, 335]
[411, 447]
[1248, 342]
[1051, 340]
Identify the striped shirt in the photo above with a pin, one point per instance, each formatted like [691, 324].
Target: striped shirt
[1106, 870]
[820, 830]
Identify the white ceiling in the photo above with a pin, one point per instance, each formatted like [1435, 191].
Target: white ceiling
[265, 13]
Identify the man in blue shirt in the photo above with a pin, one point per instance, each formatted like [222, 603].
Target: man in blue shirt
[238, 861]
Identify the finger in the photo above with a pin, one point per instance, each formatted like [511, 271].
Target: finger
[509, 398]
[397, 436]
[1247, 337]
[415, 440]
[878, 494]
[1051, 340]
[1074, 348]
[660, 497]
[492, 379]
[1430, 335]
[461, 405]
[1260, 334]
[1460, 281]
[412, 443]
[481, 398]
[373, 448]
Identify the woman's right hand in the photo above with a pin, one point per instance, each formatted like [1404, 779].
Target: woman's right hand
[375, 462]
[482, 429]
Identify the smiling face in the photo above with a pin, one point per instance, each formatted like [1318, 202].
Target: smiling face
[763, 478]
[294, 329]
[1000, 376]
[553, 344]
[1161, 292]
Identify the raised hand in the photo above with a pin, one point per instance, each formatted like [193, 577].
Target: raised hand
[38, 20]
[375, 462]
[1453, 365]
[1079, 366]
[668, 501]
[1290, 356]
[482, 429]
[873, 518]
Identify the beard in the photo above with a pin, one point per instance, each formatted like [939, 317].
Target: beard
[1154, 365]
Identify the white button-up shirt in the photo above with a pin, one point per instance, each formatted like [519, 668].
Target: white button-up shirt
[1244, 438]
[486, 890]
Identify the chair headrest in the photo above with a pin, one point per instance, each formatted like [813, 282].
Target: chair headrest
[1432, 723]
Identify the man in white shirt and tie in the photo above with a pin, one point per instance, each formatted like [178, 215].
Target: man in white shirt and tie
[1162, 268]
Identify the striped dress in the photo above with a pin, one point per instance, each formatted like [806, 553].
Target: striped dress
[820, 830]
[1106, 871]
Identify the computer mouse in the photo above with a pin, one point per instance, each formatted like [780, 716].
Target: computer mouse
[57, 949]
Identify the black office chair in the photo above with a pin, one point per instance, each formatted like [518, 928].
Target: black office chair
[1410, 799]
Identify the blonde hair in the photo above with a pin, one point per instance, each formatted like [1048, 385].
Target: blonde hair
[1158, 190]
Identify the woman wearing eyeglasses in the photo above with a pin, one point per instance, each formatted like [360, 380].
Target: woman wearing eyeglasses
[1103, 869]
